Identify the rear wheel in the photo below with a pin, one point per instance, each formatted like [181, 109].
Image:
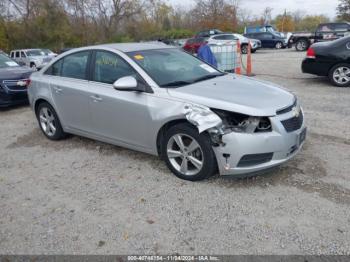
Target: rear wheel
[244, 49]
[339, 75]
[49, 123]
[301, 45]
[188, 154]
[279, 45]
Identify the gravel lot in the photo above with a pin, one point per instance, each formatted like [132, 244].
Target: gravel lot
[79, 196]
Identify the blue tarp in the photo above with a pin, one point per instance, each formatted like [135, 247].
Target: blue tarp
[207, 55]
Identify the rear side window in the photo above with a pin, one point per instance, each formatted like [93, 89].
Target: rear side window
[110, 67]
[325, 28]
[75, 65]
[55, 69]
[17, 54]
[341, 27]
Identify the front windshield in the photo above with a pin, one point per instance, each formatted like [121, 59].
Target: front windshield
[35, 53]
[6, 62]
[173, 67]
[46, 51]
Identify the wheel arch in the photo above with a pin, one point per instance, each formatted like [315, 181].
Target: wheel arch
[164, 128]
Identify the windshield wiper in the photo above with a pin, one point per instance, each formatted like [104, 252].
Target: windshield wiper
[176, 84]
[206, 77]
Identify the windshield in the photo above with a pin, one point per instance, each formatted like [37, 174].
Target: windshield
[173, 67]
[6, 62]
[35, 53]
[46, 51]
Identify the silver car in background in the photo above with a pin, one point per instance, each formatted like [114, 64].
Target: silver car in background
[162, 101]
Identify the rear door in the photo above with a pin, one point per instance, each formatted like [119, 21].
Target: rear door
[70, 90]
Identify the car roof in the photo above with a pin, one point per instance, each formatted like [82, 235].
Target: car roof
[132, 47]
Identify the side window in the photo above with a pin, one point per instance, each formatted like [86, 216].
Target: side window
[17, 54]
[22, 54]
[220, 37]
[325, 28]
[55, 69]
[230, 37]
[12, 55]
[340, 27]
[74, 65]
[110, 67]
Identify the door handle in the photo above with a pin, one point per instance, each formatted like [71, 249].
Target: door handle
[96, 98]
[57, 89]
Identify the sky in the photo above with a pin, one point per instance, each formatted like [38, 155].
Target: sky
[256, 7]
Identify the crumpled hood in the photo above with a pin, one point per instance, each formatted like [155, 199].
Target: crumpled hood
[236, 94]
[16, 72]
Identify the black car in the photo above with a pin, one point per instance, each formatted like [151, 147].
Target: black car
[330, 59]
[324, 32]
[269, 39]
[14, 80]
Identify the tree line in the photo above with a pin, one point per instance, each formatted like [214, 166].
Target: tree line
[57, 24]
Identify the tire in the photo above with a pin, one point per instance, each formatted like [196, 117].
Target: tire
[33, 66]
[244, 49]
[279, 45]
[49, 122]
[175, 154]
[301, 45]
[253, 51]
[339, 75]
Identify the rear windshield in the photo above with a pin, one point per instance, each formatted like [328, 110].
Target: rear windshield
[6, 62]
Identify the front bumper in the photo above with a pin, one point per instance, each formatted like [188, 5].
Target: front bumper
[279, 143]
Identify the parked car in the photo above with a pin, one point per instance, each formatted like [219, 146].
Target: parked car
[34, 58]
[208, 33]
[193, 44]
[228, 38]
[324, 32]
[269, 40]
[331, 59]
[14, 80]
[164, 101]
[49, 53]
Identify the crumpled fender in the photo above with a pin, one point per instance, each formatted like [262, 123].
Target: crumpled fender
[202, 117]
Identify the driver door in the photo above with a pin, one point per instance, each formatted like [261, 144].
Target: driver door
[122, 116]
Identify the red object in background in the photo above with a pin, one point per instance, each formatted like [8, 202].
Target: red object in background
[310, 53]
[193, 44]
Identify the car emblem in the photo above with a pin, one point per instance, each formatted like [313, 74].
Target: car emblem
[21, 83]
[296, 111]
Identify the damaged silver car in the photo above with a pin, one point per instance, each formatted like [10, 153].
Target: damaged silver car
[162, 101]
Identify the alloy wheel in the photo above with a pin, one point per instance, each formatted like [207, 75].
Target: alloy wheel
[185, 154]
[47, 121]
[279, 45]
[341, 75]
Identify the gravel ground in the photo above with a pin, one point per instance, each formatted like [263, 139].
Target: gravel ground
[80, 196]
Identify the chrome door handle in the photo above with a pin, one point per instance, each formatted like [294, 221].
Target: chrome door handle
[96, 98]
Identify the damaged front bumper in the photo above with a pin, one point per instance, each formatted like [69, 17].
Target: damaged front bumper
[244, 153]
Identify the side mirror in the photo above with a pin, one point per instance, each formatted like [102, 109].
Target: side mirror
[126, 83]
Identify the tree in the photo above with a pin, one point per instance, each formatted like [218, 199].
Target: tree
[343, 10]
[285, 22]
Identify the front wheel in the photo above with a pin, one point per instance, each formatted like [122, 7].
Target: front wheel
[188, 154]
[339, 75]
[278, 45]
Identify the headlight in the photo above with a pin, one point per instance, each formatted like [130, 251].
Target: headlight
[241, 123]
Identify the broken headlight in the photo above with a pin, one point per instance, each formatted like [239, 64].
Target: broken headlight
[241, 123]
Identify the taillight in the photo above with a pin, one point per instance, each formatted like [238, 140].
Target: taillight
[28, 81]
[311, 53]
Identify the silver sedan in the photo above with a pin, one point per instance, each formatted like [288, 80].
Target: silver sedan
[162, 101]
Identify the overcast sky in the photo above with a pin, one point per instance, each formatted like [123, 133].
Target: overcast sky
[326, 7]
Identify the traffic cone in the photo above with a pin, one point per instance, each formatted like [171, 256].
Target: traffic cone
[238, 59]
[249, 60]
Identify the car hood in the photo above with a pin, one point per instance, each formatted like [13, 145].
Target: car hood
[16, 72]
[236, 94]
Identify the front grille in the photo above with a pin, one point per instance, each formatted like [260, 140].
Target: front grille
[12, 85]
[293, 123]
[254, 159]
